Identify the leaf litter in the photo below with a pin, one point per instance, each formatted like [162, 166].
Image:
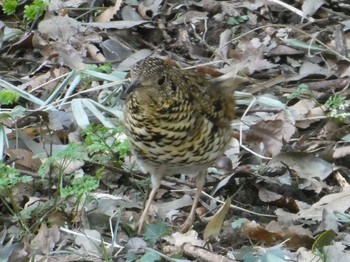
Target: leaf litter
[288, 183]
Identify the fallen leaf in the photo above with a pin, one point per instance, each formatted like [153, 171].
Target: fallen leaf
[89, 240]
[267, 137]
[24, 159]
[214, 226]
[178, 239]
[310, 7]
[332, 202]
[108, 14]
[306, 165]
[341, 151]
[44, 242]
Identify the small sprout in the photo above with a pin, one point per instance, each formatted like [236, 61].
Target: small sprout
[302, 91]
[35, 10]
[337, 106]
[9, 7]
[8, 97]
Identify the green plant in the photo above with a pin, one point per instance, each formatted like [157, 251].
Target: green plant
[60, 161]
[237, 20]
[8, 97]
[153, 233]
[337, 106]
[79, 187]
[34, 10]
[323, 240]
[106, 144]
[9, 7]
[9, 178]
[302, 91]
[72, 187]
[105, 68]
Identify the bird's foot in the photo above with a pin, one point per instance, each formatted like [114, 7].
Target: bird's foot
[140, 224]
[187, 225]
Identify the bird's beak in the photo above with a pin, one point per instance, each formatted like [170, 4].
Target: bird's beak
[127, 89]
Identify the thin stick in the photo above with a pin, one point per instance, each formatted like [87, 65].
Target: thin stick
[293, 9]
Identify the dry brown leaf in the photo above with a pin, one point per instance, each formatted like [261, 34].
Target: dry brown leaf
[133, 59]
[308, 68]
[310, 7]
[305, 255]
[300, 109]
[269, 136]
[297, 235]
[285, 50]
[95, 53]
[332, 202]
[58, 5]
[337, 252]
[178, 239]
[249, 59]
[214, 226]
[221, 52]
[149, 9]
[45, 80]
[114, 49]
[341, 180]
[115, 24]
[24, 159]
[315, 114]
[306, 165]
[191, 17]
[46, 239]
[59, 28]
[274, 233]
[164, 208]
[287, 203]
[70, 56]
[268, 196]
[22, 192]
[89, 240]
[254, 231]
[108, 14]
[341, 151]
[328, 222]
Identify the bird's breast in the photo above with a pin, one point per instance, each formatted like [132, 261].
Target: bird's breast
[182, 140]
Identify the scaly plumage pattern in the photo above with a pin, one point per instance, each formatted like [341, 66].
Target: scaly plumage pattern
[176, 122]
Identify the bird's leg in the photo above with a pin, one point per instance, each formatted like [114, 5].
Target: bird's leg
[156, 181]
[200, 180]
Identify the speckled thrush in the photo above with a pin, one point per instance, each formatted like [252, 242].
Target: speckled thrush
[177, 122]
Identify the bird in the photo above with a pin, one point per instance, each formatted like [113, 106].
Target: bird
[177, 122]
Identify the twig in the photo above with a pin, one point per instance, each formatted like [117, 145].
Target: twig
[293, 9]
[239, 208]
[91, 238]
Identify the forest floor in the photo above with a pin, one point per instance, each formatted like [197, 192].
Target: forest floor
[70, 188]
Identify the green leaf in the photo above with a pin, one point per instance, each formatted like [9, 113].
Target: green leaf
[150, 256]
[238, 223]
[324, 239]
[9, 7]
[131, 256]
[73, 152]
[80, 187]
[9, 177]
[155, 232]
[303, 45]
[8, 97]
[36, 9]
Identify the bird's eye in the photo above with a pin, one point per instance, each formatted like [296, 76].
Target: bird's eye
[161, 80]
